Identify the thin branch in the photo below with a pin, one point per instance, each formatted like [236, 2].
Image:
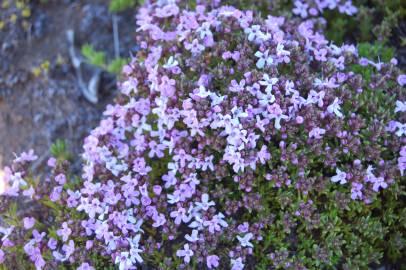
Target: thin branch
[116, 36]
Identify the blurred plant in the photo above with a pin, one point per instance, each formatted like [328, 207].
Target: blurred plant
[42, 69]
[98, 59]
[120, 5]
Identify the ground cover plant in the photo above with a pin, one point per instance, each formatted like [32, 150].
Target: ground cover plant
[240, 140]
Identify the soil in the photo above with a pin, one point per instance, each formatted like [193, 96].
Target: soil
[35, 111]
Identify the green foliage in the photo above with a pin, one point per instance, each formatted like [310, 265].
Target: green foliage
[60, 151]
[98, 59]
[94, 57]
[376, 51]
[120, 5]
[116, 65]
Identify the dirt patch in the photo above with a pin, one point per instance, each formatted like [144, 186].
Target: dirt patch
[37, 110]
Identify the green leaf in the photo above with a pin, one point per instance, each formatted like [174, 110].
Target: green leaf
[116, 65]
[120, 5]
[94, 57]
[60, 151]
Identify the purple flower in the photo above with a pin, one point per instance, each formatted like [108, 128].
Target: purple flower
[335, 108]
[379, 182]
[402, 79]
[85, 266]
[2, 256]
[180, 215]
[400, 106]
[52, 243]
[263, 155]
[339, 177]
[356, 192]
[254, 32]
[186, 253]
[212, 261]
[30, 156]
[275, 112]
[245, 241]
[205, 203]
[28, 222]
[237, 87]
[56, 194]
[193, 237]
[89, 244]
[264, 59]
[317, 133]
[64, 232]
[156, 150]
[169, 179]
[401, 129]
[159, 220]
[194, 47]
[300, 9]
[60, 179]
[237, 264]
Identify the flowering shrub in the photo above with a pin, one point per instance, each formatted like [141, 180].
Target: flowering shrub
[238, 142]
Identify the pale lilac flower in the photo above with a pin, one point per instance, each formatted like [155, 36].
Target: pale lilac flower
[29, 222]
[402, 79]
[254, 32]
[400, 106]
[275, 112]
[264, 59]
[194, 47]
[51, 162]
[401, 129]
[169, 179]
[243, 228]
[2, 256]
[64, 232]
[52, 243]
[6, 232]
[26, 156]
[245, 241]
[29, 192]
[316, 98]
[317, 133]
[204, 30]
[159, 220]
[263, 155]
[237, 264]
[56, 193]
[180, 215]
[205, 203]
[348, 8]
[356, 192]
[202, 92]
[379, 182]
[339, 177]
[215, 223]
[123, 261]
[268, 82]
[212, 261]
[236, 87]
[85, 266]
[300, 9]
[60, 179]
[193, 237]
[186, 253]
[335, 108]
[135, 255]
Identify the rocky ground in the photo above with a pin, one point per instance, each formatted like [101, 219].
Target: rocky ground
[36, 110]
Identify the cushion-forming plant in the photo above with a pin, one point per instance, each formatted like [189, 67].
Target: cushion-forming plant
[237, 142]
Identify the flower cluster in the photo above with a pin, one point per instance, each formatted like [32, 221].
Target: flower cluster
[233, 137]
[307, 8]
